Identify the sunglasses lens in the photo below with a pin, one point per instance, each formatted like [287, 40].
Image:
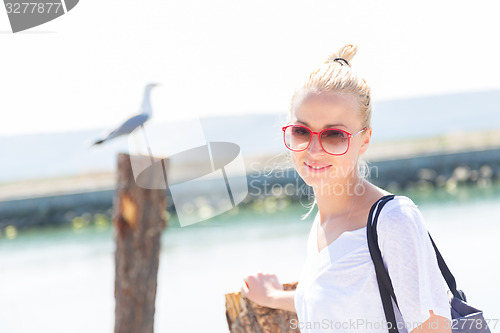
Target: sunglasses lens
[335, 141]
[297, 138]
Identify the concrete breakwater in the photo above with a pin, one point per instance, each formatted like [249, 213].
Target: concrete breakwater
[443, 170]
[470, 167]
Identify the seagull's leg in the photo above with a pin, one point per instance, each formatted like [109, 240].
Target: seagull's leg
[151, 155]
[147, 144]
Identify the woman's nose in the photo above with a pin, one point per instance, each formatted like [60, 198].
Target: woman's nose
[315, 146]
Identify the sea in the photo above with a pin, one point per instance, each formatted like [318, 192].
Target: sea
[62, 279]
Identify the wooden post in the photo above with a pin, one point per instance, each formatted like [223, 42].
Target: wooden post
[138, 219]
[245, 316]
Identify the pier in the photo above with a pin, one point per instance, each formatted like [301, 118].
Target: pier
[60, 201]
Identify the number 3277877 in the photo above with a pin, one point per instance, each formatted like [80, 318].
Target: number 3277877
[33, 7]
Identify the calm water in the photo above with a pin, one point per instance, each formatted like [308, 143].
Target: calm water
[63, 280]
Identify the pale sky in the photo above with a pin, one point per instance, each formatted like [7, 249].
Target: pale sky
[87, 69]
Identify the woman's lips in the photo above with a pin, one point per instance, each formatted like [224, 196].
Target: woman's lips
[314, 167]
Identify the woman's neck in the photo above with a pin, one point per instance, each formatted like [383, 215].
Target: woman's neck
[338, 199]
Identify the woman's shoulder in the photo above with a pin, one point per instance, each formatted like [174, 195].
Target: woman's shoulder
[402, 215]
[400, 204]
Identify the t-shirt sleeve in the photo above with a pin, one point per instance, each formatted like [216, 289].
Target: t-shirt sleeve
[411, 262]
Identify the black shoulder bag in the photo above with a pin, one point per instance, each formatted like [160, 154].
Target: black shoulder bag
[464, 317]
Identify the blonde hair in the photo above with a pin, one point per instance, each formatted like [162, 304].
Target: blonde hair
[336, 75]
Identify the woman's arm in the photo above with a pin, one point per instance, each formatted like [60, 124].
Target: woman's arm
[265, 289]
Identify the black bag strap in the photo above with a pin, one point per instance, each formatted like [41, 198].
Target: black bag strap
[383, 279]
[385, 287]
[448, 277]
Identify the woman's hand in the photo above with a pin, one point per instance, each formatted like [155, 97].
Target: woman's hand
[266, 290]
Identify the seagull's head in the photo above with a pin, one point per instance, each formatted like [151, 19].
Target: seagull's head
[152, 85]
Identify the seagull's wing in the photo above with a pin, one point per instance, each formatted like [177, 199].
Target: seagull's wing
[126, 128]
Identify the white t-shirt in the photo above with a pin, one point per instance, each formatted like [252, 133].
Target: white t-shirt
[338, 291]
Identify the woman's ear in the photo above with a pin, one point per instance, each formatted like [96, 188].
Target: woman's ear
[366, 140]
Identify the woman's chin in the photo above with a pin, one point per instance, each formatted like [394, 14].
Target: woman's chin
[315, 180]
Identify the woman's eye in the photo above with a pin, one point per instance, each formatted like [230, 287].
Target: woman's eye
[300, 131]
[333, 134]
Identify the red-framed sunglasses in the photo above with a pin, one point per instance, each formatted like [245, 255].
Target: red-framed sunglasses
[333, 141]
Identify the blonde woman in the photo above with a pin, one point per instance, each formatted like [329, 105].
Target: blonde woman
[328, 131]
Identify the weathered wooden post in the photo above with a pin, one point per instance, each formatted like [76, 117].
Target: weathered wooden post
[245, 316]
[138, 218]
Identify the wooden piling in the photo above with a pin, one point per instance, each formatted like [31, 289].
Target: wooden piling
[245, 316]
[138, 220]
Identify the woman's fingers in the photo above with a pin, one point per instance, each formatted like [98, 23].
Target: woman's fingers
[244, 288]
[263, 289]
[260, 285]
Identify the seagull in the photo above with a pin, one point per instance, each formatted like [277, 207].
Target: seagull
[135, 121]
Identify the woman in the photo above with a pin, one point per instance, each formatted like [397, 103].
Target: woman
[329, 130]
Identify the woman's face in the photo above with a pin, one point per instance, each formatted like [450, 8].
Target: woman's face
[329, 110]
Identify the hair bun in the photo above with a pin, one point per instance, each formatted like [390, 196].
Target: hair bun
[346, 53]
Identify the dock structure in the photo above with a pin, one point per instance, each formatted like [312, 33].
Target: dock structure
[428, 164]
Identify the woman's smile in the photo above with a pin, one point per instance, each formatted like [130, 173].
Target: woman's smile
[315, 167]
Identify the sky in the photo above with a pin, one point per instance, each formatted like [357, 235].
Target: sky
[87, 69]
